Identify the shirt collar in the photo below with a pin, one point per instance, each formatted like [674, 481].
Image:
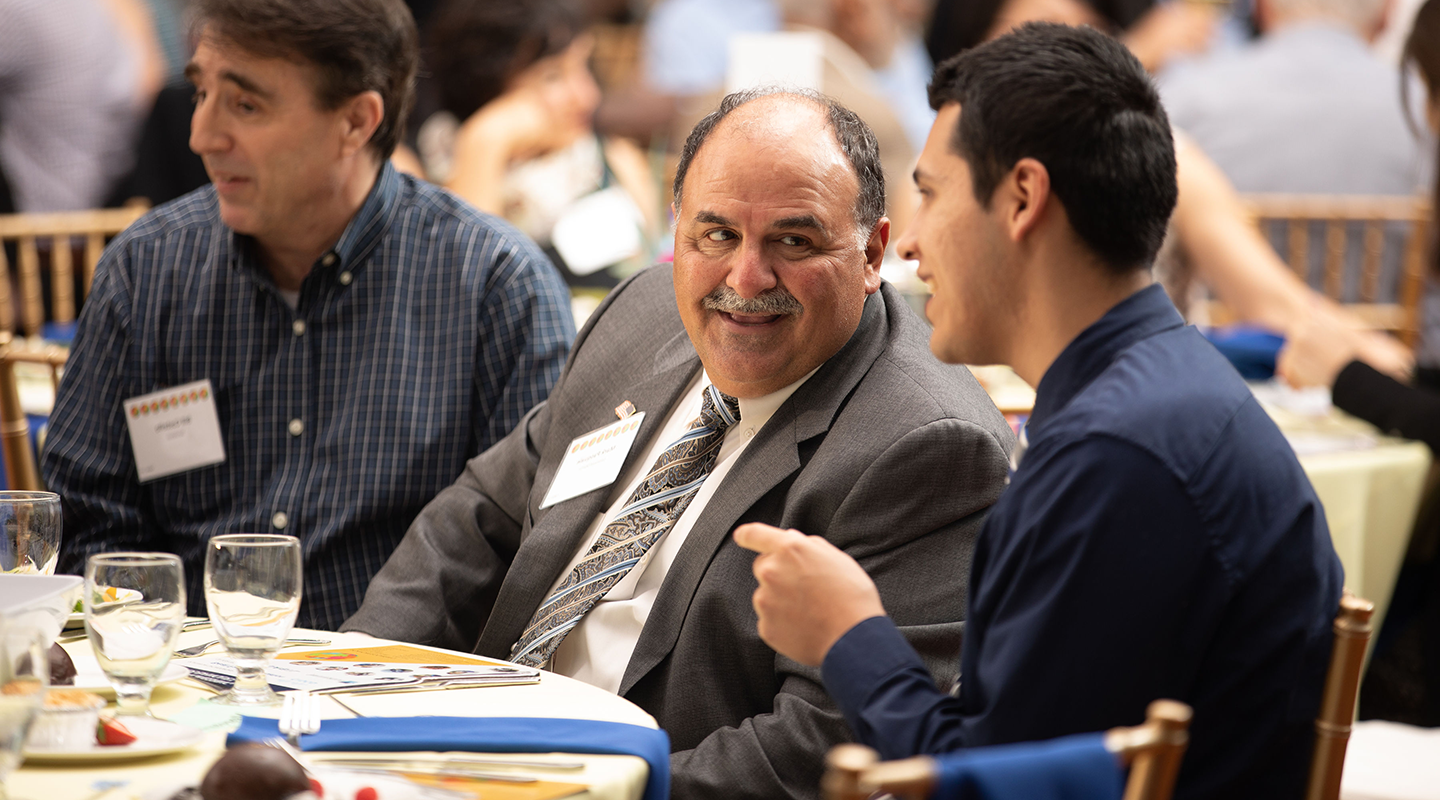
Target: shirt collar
[756, 411]
[1139, 316]
[360, 236]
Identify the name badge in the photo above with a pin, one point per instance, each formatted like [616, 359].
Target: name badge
[593, 460]
[174, 430]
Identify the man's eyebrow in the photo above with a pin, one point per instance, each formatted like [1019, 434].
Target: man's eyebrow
[807, 221]
[193, 71]
[711, 218]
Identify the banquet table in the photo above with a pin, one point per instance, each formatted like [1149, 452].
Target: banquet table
[611, 777]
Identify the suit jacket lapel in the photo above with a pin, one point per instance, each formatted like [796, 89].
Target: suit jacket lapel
[560, 529]
[766, 461]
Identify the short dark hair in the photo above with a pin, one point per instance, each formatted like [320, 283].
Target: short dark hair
[476, 47]
[855, 138]
[1078, 102]
[355, 46]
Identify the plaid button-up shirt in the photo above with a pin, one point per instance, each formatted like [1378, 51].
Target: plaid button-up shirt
[419, 340]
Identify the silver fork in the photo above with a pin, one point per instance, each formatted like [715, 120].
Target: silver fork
[190, 652]
[299, 715]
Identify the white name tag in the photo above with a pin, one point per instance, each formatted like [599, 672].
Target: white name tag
[593, 460]
[174, 430]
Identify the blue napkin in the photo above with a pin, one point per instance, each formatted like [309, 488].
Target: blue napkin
[1251, 350]
[1068, 768]
[482, 735]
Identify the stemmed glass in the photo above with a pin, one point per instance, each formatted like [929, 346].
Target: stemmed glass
[31, 521]
[252, 589]
[24, 673]
[134, 607]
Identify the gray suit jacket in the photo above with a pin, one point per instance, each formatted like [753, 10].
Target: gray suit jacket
[891, 455]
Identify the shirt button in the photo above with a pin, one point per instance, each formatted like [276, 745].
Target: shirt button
[749, 433]
[328, 260]
[296, 427]
[280, 520]
[345, 278]
[298, 327]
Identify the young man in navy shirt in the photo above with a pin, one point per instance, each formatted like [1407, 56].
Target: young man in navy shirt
[1158, 537]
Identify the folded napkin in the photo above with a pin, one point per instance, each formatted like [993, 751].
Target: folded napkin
[1251, 350]
[1069, 768]
[482, 735]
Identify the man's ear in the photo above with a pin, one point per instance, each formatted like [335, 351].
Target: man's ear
[875, 254]
[1023, 196]
[362, 115]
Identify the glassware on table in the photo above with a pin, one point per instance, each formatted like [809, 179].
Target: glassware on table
[252, 590]
[24, 676]
[31, 521]
[134, 607]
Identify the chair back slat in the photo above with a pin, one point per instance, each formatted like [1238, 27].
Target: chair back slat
[1370, 269]
[7, 310]
[62, 277]
[32, 303]
[94, 247]
[1300, 248]
[1337, 704]
[1334, 258]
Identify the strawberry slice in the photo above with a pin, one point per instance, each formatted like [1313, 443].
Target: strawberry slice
[110, 733]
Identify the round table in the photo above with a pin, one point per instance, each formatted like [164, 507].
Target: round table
[607, 776]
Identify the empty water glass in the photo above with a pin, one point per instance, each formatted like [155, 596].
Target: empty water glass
[31, 521]
[24, 673]
[134, 607]
[252, 589]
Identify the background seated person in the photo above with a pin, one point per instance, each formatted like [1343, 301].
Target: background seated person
[1158, 537]
[781, 380]
[515, 137]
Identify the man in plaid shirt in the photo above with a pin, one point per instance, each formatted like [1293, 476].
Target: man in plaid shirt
[363, 333]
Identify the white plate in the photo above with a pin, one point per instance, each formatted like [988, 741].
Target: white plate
[153, 737]
[89, 678]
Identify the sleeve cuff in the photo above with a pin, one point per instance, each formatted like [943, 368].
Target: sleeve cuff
[862, 659]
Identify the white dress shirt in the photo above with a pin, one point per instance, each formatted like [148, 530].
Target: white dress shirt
[598, 650]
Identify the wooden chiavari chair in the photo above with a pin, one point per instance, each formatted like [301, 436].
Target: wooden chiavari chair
[1152, 750]
[28, 231]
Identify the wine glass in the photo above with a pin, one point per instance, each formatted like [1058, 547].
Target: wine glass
[31, 543]
[24, 673]
[252, 589]
[134, 607]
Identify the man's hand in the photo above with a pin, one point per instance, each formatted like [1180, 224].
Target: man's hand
[810, 592]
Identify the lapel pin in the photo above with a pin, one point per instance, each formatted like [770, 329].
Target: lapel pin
[625, 409]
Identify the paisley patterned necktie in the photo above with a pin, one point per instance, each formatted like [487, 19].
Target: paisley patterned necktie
[652, 510]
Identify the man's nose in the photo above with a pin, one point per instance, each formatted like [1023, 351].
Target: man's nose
[206, 132]
[908, 246]
[751, 272]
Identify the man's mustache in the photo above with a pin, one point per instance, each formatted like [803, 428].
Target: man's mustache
[767, 303]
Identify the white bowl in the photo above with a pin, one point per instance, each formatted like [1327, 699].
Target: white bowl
[31, 603]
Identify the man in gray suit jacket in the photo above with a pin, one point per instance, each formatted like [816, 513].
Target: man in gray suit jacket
[846, 426]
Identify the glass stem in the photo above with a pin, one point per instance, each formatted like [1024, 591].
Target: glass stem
[133, 699]
[250, 677]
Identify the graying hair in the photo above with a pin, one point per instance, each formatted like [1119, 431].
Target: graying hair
[855, 138]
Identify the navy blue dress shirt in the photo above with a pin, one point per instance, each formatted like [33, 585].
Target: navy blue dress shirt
[418, 341]
[1158, 539]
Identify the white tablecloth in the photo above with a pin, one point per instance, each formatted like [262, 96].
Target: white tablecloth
[609, 777]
